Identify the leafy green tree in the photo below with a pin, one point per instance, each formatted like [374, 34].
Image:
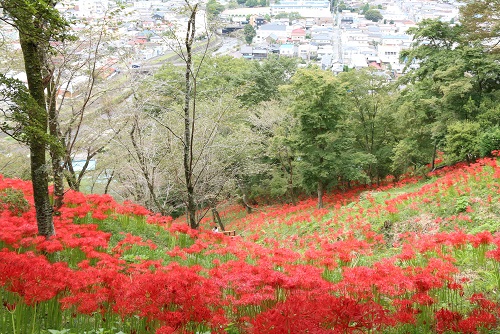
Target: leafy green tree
[281, 16]
[251, 3]
[407, 156]
[318, 104]
[294, 16]
[38, 23]
[373, 15]
[369, 99]
[232, 4]
[489, 140]
[214, 8]
[249, 33]
[462, 141]
[455, 80]
[278, 178]
[264, 79]
[480, 20]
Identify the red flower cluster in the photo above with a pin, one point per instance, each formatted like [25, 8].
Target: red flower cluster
[298, 269]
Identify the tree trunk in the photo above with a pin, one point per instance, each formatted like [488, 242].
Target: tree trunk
[320, 194]
[56, 148]
[71, 175]
[108, 182]
[290, 183]
[37, 142]
[189, 118]
[434, 153]
[217, 219]
[244, 194]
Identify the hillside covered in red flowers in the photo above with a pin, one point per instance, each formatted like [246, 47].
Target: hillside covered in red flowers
[418, 256]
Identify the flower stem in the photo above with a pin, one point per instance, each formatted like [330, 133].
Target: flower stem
[33, 321]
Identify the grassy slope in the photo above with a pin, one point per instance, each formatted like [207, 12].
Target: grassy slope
[432, 234]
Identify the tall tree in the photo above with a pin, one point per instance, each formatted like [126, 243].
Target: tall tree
[450, 78]
[250, 33]
[82, 125]
[196, 114]
[274, 174]
[38, 23]
[318, 105]
[481, 22]
[371, 117]
[263, 79]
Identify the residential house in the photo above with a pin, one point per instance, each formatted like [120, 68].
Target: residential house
[322, 39]
[358, 37]
[259, 53]
[298, 35]
[358, 61]
[325, 50]
[274, 48]
[70, 89]
[256, 21]
[278, 32]
[307, 51]
[326, 61]
[288, 50]
[309, 23]
[325, 20]
[156, 39]
[148, 24]
[246, 51]
[389, 56]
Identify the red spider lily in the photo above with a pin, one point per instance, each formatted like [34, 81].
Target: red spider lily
[313, 312]
[447, 320]
[480, 300]
[495, 254]
[174, 294]
[481, 238]
[129, 241]
[31, 276]
[479, 321]
[280, 277]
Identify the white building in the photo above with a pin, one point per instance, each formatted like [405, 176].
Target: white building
[298, 6]
[277, 31]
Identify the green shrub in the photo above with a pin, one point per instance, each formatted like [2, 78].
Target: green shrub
[462, 142]
[489, 141]
[14, 201]
[462, 204]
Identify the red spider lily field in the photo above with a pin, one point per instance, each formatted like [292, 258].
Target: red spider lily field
[417, 256]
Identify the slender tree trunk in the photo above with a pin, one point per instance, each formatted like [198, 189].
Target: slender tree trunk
[108, 182]
[217, 219]
[291, 191]
[37, 142]
[244, 194]
[434, 153]
[189, 124]
[71, 175]
[149, 177]
[56, 148]
[320, 194]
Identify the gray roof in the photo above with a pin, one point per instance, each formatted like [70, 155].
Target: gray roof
[246, 49]
[321, 36]
[273, 26]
